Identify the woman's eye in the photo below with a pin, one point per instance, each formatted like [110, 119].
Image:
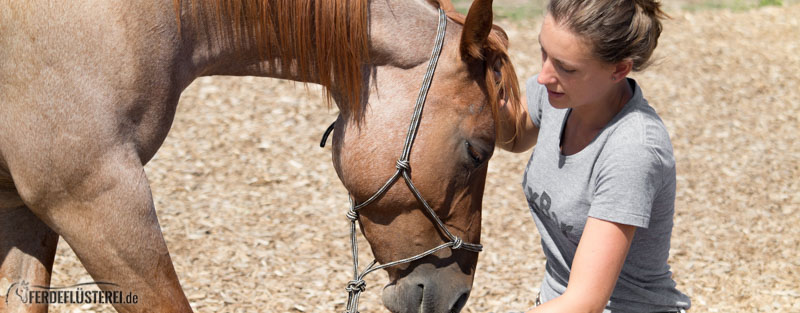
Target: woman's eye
[566, 70]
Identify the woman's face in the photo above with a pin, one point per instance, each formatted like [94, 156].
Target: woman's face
[573, 76]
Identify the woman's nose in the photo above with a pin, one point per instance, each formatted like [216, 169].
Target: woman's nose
[547, 75]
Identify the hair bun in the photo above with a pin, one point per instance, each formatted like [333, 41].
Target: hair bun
[651, 8]
[617, 29]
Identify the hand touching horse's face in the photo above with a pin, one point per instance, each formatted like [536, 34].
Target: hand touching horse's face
[448, 161]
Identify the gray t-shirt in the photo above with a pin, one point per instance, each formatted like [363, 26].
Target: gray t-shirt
[625, 175]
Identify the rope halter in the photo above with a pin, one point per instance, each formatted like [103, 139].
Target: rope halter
[356, 286]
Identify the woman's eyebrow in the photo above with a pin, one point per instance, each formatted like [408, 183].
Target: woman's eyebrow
[557, 60]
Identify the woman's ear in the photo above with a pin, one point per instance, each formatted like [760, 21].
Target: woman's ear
[622, 69]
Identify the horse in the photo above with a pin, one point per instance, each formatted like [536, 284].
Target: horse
[89, 89]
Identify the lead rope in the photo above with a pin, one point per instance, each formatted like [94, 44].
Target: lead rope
[356, 286]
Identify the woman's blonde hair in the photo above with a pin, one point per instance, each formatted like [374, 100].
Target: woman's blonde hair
[616, 29]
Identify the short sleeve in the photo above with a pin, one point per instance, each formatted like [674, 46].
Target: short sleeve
[536, 96]
[626, 185]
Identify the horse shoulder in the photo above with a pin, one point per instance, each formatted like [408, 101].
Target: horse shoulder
[82, 77]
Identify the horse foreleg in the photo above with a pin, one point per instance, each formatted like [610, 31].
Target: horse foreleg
[110, 222]
[27, 249]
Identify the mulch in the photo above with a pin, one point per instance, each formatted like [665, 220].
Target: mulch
[253, 212]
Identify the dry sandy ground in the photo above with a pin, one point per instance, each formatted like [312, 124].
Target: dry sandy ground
[253, 213]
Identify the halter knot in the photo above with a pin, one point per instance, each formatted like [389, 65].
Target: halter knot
[457, 243]
[354, 285]
[403, 165]
[352, 215]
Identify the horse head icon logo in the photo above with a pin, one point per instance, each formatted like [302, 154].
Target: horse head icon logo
[21, 289]
[22, 292]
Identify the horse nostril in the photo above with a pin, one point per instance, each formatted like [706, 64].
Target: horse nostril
[421, 307]
[462, 300]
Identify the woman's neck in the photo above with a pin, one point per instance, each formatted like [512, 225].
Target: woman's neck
[596, 116]
[586, 121]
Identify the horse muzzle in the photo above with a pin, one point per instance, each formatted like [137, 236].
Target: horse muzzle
[428, 289]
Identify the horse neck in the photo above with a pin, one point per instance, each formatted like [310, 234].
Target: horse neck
[400, 35]
[402, 32]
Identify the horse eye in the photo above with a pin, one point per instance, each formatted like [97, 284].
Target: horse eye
[474, 154]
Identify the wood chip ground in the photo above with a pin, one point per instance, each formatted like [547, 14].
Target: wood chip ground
[253, 213]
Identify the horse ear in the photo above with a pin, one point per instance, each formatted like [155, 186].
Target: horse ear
[476, 31]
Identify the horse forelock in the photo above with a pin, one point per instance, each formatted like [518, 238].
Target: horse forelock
[504, 90]
[328, 39]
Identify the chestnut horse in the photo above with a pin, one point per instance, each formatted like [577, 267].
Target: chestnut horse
[89, 89]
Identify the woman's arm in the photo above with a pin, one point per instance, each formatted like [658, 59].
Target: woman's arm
[519, 123]
[598, 262]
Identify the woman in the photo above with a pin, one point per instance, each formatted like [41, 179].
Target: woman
[601, 181]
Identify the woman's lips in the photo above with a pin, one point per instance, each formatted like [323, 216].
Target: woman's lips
[554, 94]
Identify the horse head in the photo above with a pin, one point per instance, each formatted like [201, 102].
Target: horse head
[449, 158]
[21, 291]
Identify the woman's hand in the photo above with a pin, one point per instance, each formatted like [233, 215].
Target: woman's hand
[515, 130]
[598, 261]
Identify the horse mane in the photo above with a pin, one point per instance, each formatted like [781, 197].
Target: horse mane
[328, 39]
